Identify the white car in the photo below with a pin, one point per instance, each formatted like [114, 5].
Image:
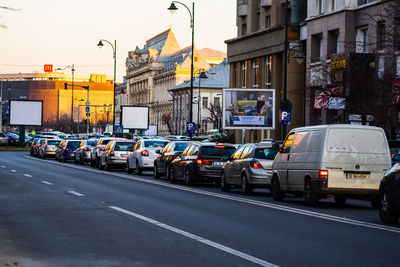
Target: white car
[144, 154]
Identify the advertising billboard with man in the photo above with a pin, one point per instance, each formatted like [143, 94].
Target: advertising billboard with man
[249, 109]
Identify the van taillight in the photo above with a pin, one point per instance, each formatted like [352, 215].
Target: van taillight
[202, 161]
[322, 174]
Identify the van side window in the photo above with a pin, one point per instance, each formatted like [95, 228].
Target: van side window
[315, 141]
[288, 143]
[300, 142]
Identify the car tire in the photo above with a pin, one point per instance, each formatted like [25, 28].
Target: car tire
[98, 163]
[44, 157]
[75, 160]
[92, 163]
[128, 170]
[386, 212]
[108, 166]
[138, 169]
[224, 186]
[310, 198]
[156, 173]
[171, 175]
[340, 200]
[167, 171]
[375, 202]
[63, 160]
[188, 178]
[245, 187]
[101, 167]
[276, 191]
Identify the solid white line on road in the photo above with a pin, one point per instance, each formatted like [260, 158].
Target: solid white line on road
[27, 175]
[242, 200]
[76, 193]
[45, 182]
[13, 170]
[197, 238]
[3, 167]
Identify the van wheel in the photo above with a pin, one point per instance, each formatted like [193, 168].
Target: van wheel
[188, 178]
[277, 193]
[245, 187]
[310, 197]
[388, 216]
[340, 200]
[224, 186]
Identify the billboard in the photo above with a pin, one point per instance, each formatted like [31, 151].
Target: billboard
[135, 117]
[249, 109]
[26, 112]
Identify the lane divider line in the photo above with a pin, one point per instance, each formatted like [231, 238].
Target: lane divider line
[197, 238]
[76, 193]
[13, 170]
[3, 167]
[242, 200]
[27, 175]
[45, 182]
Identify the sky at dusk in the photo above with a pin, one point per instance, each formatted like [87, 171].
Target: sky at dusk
[66, 32]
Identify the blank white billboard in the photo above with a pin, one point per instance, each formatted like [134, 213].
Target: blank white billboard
[135, 117]
[26, 113]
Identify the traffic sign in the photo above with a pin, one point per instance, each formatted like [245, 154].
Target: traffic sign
[190, 127]
[87, 103]
[119, 129]
[7, 111]
[284, 117]
[88, 114]
[87, 109]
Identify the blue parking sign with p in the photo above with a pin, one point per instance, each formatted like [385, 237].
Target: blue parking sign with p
[284, 117]
[190, 127]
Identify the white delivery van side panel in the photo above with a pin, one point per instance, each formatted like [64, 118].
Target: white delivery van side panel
[355, 157]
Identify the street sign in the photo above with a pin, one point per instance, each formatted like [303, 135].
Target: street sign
[7, 111]
[190, 127]
[87, 109]
[119, 129]
[88, 114]
[87, 103]
[48, 68]
[284, 117]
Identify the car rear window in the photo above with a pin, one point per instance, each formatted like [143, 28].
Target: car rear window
[91, 142]
[181, 146]
[124, 146]
[157, 144]
[53, 142]
[74, 144]
[265, 153]
[217, 151]
[2, 135]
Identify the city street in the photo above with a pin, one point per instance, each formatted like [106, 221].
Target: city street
[63, 214]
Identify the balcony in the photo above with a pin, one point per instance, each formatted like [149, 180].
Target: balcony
[266, 3]
[242, 9]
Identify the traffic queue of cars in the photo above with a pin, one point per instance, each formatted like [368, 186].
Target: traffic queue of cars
[339, 161]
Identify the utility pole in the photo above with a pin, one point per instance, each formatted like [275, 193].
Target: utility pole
[1, 108]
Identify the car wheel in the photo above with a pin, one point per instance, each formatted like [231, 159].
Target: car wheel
[245, 187]
[92, 163]
[76, 160]
[138, 169]
[128, 169]
[375, 202]
[188, 178]
[101, 167]
[311, 198]
[167, 171]
[156, 173]
[40, 156]
[108, 167]
[98, 163]
[276, 191]
[224, 186]
[44, 157]
[340, 200]
[386, 212]
[171, 174]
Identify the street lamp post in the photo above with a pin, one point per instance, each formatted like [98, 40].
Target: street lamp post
[72, 67]
[201, 76]
[114, 47]
[9, 97]
[172, 9]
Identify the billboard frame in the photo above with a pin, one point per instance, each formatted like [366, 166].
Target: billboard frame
[136, 106]
[26, 100]
[251, 127]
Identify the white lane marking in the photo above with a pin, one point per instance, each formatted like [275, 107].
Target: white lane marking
[3, 167]
[242, 200]
[45, 182]
[13, 170]
[197, 238]
[76, 193]
[27, 175]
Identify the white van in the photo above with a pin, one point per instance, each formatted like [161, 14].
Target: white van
[338, 160]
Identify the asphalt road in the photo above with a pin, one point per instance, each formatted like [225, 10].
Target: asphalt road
[57, 214]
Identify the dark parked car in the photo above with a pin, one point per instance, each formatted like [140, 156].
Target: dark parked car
[67, 150]
[249, 167]
[389, 196]
[13, 139]
[82, 154]
[201, 162]
[3, 139]
[162, 164]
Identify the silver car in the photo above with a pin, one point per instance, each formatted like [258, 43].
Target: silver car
[3, 139]
[249, 167]
[48, 149]
[98, 150]
[82, 154]
[116, 154]
[144, 154]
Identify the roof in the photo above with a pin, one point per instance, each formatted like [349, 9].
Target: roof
[157, 42]
[179, 57]
[217, 77]
[208, 52]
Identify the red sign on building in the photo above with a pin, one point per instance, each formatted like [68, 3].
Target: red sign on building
[48, 68]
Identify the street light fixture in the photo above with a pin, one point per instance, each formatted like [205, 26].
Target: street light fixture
[114, 47]
[72, 67]
[172, 9]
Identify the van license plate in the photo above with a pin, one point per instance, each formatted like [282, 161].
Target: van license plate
[360, 176]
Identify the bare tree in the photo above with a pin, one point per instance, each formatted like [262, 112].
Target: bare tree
[166, 119]
[215, 116]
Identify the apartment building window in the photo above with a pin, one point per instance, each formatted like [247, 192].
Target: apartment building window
[362, 40]
[363, 2]
[216, 102]
[244, 74]
[267, 21]
[333, 5]
[268, 71]
[205, 102]
[316, 47]
[380, 35]
[244, 29]
[333, 42]
[234, 75]
[319, 6]
[256, 71]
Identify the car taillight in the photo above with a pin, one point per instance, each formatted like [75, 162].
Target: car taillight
[256, 165]
[174, 157]
[322, 174]
[86, 149]
[145, 153]
[202, 161]
[219, 146]
[112, 153]
[102, 148]
[67, 149]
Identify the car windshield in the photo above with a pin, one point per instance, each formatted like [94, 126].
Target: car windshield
[265, 153]
[53, 142]
[91, 142]
[74, 144]
[124, 146]
[155, 144]
[217, 151]
[181, 146]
